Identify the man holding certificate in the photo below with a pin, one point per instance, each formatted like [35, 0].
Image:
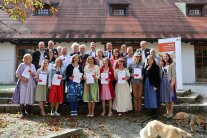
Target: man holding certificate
[74, 76]
[136, 69]
[122, 102]
[55, 84]
[106, 86]
[91, 87]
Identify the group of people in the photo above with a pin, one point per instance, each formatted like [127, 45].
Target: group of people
[121, 77]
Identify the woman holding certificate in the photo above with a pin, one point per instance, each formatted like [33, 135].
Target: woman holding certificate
[26, 73]
[106, 86]
[42, 88]
[74, 74]
[122, 102]
[91, 87]
[136, 69]
[55, 84]
[151, 85]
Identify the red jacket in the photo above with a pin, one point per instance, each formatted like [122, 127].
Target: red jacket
[111, 77]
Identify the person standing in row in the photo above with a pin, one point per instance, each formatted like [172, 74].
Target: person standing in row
[144, 50]
[51, 46]
[83, 56]
[93, 52]
[168, 94]
[75, 48]
[42, 88]
[55, 84]
[26, 73]
[122, 102]
[65, 57]
[75, 90]
[99, 58]
[91, 86]
[39, 55]
[109, 51]
[136, 71]
[123, 51]
[151, 86]
[129, 57]
[107, 90]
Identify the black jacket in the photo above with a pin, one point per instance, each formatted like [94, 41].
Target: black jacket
[153, 75]
[146, 51]
[36, 58]
[69, 71]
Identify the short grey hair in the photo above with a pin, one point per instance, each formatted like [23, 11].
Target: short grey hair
[81, 46]
[142, 42]
[74, 44]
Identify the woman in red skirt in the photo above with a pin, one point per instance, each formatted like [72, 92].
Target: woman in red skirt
[55, 83]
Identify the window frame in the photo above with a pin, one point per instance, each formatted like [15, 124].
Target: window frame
[194, 7]
[46, 7]
[114, 7]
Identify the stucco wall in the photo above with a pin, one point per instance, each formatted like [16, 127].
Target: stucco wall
[7, 62]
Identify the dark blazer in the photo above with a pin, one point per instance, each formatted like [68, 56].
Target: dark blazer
[74, 53]
[82, 60]
[146, 51]
[36, 58]
[153, 75]
[106, 54]
[69, 71]
[122, 55]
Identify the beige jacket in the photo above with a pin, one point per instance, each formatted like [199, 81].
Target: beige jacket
[171, 73]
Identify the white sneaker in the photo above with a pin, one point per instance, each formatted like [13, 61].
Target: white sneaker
[57, 114]
[52, 113]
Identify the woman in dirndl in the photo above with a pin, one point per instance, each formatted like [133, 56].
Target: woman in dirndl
[167, 87]
[75, 90]
[151, 86]
[56, 89]
[91, 88]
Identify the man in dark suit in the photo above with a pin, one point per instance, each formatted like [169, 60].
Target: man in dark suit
[82, 57]
[93, 50]
[39, 55]
[51, 45]
[123, 51]
[109, 52]
[145, 51]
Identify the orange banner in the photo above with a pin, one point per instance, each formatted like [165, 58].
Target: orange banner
[166, 47]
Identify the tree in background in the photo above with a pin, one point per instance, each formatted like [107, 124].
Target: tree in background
[20, 9]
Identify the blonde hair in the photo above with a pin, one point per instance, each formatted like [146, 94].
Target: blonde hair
[58, 59]
[26, 55]
[42, 64]
[99, 50]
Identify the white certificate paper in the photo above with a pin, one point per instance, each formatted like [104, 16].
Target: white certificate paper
[77, 77]
[42, 79]
[26, 72]
[56, 79]
[89, 78]
[104, 76]
[138, 71]
[121, 75]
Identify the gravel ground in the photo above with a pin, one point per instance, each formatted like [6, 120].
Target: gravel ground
[11, 125]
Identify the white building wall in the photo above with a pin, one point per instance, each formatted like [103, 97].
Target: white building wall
[7, 62]
[188, 61]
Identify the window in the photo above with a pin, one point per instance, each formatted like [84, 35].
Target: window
[118, 9]
[194, 10]
[45, 11]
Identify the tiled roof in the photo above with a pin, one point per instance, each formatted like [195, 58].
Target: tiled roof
[90, 19]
